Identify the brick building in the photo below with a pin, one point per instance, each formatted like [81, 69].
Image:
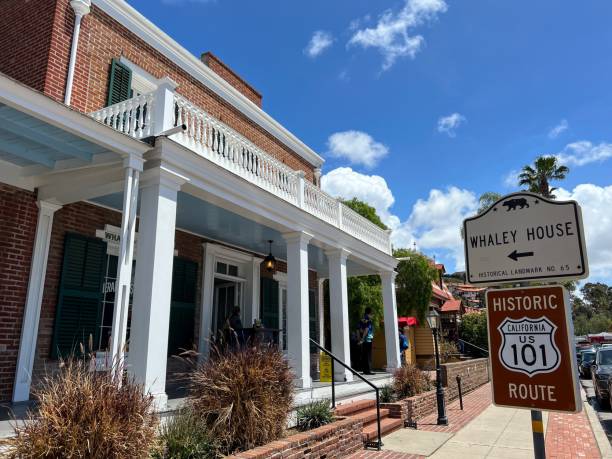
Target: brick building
[139, 189]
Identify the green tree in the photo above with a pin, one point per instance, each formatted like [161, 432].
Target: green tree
[364, 291]
[365, 210]
[598, 295]
[487, 199]
[413, 283]
[473, 329]
[537, 178]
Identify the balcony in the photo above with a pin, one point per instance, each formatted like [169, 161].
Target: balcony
[150, 114]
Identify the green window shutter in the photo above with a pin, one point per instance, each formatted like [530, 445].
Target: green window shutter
[182, 308]
[78, 307]
[269, 303]
[120, 83]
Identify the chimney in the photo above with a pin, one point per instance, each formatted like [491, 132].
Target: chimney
[217, 66]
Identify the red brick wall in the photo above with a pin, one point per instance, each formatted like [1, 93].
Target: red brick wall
[18, 216]
[85, 219]
[339, 439]
[219, 67]
[103, 39]
[23, 54]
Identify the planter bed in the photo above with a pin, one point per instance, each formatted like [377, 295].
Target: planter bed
[338, 439]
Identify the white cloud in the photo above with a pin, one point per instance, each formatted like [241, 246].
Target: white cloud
[356, 146]
[393, 34]
[434, 223]
[346, 183]
[584, 152]
[558, 129]
[449, 124]
[596, 203]
[319, 42]
[511, 179]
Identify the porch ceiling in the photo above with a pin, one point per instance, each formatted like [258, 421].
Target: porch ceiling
[214, 222]
[27, 141]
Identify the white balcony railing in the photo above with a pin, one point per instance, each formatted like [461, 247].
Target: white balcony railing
[153, 113]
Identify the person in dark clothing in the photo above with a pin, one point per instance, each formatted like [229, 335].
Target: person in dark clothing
[403, 345]
[235, 327]
[366, 330]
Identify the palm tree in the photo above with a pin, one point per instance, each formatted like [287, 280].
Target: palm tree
[538, 178]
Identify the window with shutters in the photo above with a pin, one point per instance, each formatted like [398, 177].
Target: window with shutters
[120, 83]
[80, 294]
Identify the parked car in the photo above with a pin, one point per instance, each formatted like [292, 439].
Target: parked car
[582, 349]
[586, 360]
[601, 370]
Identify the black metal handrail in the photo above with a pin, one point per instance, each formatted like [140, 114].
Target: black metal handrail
[474, 346]
[378, 444]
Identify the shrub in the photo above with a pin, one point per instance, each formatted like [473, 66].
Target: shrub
[82, 413]
[243, 397]
[448, 349]
[184, 437]
[409, 380]
[386, 394]
[313, 415]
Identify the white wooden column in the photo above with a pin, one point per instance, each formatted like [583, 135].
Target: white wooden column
[206, 311]
[148, 347]
[31, 316]
[321, 307]
[391, 328]
[298, 344]
[338, 312]
[133, 167]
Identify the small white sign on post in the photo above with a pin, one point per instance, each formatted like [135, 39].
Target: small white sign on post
[524, 237]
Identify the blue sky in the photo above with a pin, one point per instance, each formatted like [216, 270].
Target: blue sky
[416, 96]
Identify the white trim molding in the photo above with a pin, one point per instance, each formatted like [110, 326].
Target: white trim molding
[138, 24]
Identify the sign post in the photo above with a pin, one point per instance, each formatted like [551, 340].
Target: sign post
[524, 237]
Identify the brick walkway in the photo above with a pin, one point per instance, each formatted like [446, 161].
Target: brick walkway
[569, 436]
[474, 403]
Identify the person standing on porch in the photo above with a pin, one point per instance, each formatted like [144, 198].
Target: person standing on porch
[366, 328]
[234, 323]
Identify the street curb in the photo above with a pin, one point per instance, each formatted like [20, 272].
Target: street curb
[600, 436]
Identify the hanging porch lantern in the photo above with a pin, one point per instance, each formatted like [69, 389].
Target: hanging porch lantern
[270, 261]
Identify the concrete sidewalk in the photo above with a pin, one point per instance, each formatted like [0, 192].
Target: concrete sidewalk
[496, 433]
[482, 430]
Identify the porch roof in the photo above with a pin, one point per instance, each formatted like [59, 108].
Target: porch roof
[39, 136]
[28, 141]
[225, 227]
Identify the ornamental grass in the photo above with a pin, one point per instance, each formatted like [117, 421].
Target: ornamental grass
[409, 381]
[85, 414]
[243, 396]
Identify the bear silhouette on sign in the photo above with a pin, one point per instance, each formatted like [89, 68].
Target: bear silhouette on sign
[511, 204]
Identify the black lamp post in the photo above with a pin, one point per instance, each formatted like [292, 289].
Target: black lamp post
[433, 320]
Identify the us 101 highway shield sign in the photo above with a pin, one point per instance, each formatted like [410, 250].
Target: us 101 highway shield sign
[533, 360]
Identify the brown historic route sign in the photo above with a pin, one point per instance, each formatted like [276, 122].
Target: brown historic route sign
[533, 360]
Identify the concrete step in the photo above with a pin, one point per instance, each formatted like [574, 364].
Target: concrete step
[350, 408]
[387, 426]
[369, 415]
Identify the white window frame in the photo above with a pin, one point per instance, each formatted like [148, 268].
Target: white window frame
[249, 275]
